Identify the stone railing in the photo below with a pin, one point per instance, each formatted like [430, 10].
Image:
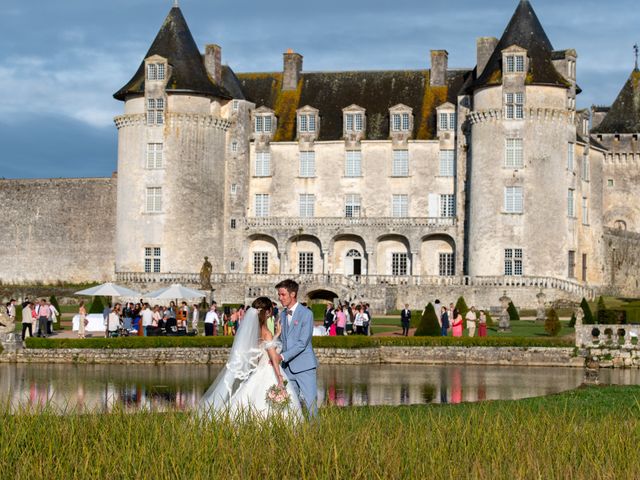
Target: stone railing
[163, 278]
[298, 222]
[612, 336]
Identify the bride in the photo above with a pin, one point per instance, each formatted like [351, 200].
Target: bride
[252, 369]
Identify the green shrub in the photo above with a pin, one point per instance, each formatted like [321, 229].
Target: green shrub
[513, 312]
[552, 323]
[490, 321]
[416, 317]
[588, 315]
[429, 325]
[318, 310]
[461, 306]
[96, 305]
[572, 321]
[54, 302]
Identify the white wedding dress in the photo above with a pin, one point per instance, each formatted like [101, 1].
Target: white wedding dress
[240, 389]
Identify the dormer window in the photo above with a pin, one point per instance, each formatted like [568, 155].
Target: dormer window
[400, 122]
[446, 121]
[514, 106]
[155, 111]
[263, 123]
[353, 122]
[307, 122]
[155, 71]
[514, 63]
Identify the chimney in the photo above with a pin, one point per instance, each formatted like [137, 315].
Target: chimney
[292, 70]
[439, 65]
[484, 48]
[213, 62]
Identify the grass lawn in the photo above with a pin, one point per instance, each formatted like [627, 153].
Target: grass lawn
[588, 433]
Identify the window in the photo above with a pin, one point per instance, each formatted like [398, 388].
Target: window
[400, 167]
[446, 264]
[400, 206]
[232, 266]
[513, 261]
[571, 205]
[263, 164]
[513, 157]
[154, 200]
[262, 124]
[610, 182]
[571, 264]
[399, 264]
[155, 111]
[514, 106]
[234, 146]
[352, 206]
[155, 71]
[447, 121]
[570, 156]
[400, 122]
[260, 263]
[514, 63]
[584, 267]
[513, 200]
[262, 204]
[235, 105]
[152, 259]
[307, 205]
[308, 164]
[447, 205]
[353, 122]
[234, 188]
[233, 223]
[154, 155]
[447, 163]
[307, 122]
[353, 163]
[305, 263]
[585, 211]
[586, 167]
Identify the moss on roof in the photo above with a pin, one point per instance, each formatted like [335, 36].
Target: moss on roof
[624, 115]
[330, 92]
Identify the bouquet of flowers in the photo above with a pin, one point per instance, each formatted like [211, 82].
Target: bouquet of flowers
[277, 396]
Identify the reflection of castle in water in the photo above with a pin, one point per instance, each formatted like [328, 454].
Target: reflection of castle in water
[161, 388]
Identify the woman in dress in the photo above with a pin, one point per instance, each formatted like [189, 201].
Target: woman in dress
[482, 324]
[252, 369]
[456, 324]
[82, 311]
[341, 323]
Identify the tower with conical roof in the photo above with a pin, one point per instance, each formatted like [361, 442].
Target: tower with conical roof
[524, 191]
[171, 158]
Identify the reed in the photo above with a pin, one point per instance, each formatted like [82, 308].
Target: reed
[589, 433]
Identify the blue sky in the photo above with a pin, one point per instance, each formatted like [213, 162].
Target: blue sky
[62, 61]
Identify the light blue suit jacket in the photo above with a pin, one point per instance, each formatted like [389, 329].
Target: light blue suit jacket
[297, 351]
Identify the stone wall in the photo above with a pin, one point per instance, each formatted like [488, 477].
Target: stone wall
[57, 230]
[622, 253]
[535, 356]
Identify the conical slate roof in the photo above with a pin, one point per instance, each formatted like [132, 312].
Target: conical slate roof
[624, 115]
[175, 43]
[524, 30]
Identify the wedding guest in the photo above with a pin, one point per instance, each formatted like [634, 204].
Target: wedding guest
[53, 317]
[195, 316]
[482, 324]
[147, 319]
[358, 322]
[27, 319]
[471, 321]
[82, 323]
[113, 322]
[341, 322]
[11, 310]
[210, 321]
[405, 320]
[43, 312]
[157, 317]
[444, 321]
[456, 324]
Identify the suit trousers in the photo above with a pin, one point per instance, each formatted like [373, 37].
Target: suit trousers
[304, 383]
[208, 329]
[42, 326]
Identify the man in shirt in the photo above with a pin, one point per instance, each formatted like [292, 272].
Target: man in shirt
[44, 312]
[147, 319]
[471, 321]
[405, 319]
[211, 321]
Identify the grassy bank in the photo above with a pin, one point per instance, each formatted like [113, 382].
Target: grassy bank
[584, 434]
[352, 341]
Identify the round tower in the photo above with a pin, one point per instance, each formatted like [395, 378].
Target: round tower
[171, 150]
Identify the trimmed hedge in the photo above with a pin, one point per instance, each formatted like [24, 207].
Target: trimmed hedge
[461, 306]
[588, 315]
[351, 341]
[429, 325]
[514, 316]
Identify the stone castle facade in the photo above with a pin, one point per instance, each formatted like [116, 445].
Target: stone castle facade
[387, 186]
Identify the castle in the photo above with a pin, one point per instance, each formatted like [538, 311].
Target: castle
[388, 186]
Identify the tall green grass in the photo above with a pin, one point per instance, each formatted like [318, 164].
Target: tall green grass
[589, 433]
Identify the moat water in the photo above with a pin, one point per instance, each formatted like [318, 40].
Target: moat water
[160, 388]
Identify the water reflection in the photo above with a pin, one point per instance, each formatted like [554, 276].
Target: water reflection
[160, 388]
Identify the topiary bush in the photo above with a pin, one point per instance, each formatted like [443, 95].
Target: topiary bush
[552, 323]
[462, 307]
[318, 310]
[513, 312]
[588, 315]
[429, 326]
[54, 301]
[572, 321]
[96, 305]
[490, 322]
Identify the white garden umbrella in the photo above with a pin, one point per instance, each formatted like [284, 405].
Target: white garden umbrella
[175, 292]
[109, 290]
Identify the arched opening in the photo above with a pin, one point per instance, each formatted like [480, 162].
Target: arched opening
[305, 255]
[392, 252]
[321, 294]
[348, 255]
[263, 256]
[437, 256]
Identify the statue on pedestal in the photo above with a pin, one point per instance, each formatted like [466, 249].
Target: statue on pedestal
[205, 275]
[6, 325]
[541, 314]
[505, 324]
[579, 314]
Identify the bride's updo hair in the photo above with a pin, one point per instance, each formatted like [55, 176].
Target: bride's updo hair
[264, 305]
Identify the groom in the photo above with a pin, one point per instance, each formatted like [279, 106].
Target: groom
[298, 360]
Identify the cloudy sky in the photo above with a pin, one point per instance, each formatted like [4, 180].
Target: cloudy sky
[62, 61]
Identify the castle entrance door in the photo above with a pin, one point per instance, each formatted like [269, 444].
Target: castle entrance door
[353, 262]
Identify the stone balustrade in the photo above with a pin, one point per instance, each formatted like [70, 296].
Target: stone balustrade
[300, 222]
[613, 336]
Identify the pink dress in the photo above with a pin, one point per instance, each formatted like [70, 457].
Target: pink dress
[332, 330]
[457, 326]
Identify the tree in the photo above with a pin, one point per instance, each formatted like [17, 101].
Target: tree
[513, 312]
[588, 315]
[96, 305]
[54, 302]
[572, 322]
[487, 313]
[429, 326]
[552, 323]
[461, 306]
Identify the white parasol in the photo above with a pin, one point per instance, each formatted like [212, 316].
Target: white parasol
[175, 292]
[109, 290]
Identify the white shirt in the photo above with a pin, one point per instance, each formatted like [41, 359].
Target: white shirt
[293, 310]
[196, 314]
[212, 317]
[147, 317]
